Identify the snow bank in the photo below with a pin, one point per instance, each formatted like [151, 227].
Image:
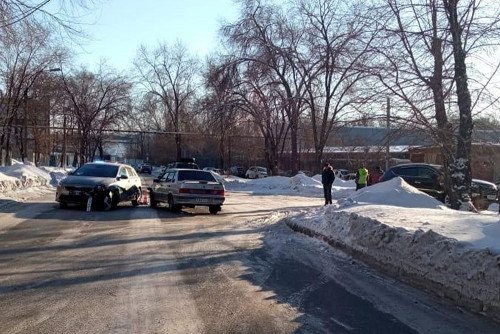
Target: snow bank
[458, 270]
[299, 184]
[22, 176]
[397, 190]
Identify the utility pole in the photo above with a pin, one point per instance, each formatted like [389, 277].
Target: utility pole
[24, 151]
[63, 153]
[388, 134]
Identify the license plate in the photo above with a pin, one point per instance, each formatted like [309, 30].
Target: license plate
[202, 200]
[75, 193]
[491, 197]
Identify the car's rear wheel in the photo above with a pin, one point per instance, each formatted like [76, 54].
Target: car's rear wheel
[214, 209]
[173, 207]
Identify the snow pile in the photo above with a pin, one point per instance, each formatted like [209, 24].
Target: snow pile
[299, 184]
[399, 192]
[22, 176]
[405, 245]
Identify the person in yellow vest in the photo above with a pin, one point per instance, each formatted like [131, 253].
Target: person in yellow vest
[361, 177]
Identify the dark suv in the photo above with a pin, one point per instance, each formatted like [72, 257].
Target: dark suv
[145, 168]
[429, 178]
[425, 177]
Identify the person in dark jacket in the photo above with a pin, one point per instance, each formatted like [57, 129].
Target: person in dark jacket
[327, 178]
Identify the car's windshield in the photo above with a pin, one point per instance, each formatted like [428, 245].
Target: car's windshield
[97, 170]
[262, 170]
[195, 175]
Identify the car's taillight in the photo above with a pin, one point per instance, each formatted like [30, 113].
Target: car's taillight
[220, 192]
[184, 191]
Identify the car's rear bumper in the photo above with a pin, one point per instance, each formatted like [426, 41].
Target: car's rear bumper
[199, 200]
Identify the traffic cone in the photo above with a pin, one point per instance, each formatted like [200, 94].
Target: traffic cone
[145, 197]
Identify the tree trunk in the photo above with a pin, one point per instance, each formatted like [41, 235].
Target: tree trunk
[462, 166]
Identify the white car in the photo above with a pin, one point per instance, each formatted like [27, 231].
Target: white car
[187, 187]
[256, 172]
[213, 169]
[342, 174]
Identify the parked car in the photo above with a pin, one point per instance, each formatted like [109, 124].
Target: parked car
[256, 172]
[238, 171]
[213, 169]
[187, 187]
[107, 183]
[145, 168]
[429, 178]
[188, 163]
[342, 174]
[483, 193]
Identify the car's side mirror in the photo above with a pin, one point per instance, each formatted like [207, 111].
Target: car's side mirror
[156, 181]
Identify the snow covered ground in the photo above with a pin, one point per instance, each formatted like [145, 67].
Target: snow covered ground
[390, 225]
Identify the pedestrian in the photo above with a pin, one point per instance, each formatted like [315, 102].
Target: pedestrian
[375, 175]
[361, 177]
[498, 198]
[327, 178]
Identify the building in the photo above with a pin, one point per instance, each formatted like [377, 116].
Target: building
[485, 159]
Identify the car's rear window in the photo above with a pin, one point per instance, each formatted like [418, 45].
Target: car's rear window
[195, 175]
[97, 170]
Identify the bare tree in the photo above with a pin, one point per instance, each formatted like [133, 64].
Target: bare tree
[333, 63]
[167, 78]
[418, 67]
[260, 97]
[98, 103]
[27, 51]
[268, 38]
[220, 104]
[57, 15]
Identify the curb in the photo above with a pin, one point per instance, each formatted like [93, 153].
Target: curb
[425, 282]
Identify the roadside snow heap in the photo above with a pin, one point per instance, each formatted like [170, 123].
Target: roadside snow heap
[23, 176]
[456, 269]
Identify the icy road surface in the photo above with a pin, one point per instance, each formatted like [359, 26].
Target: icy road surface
[141, 270]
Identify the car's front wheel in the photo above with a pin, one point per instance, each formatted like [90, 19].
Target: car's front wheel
[137, 195]
[109, 201]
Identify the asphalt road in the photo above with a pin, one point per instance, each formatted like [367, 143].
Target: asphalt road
[144, 270]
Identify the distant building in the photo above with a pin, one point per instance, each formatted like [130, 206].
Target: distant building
[485, 159]
[349, 147]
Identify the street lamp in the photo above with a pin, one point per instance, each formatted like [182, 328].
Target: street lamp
[24, 152]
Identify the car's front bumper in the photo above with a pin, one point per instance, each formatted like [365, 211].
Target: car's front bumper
[79, 195]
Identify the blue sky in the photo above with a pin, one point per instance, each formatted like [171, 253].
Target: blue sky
[120, 26]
